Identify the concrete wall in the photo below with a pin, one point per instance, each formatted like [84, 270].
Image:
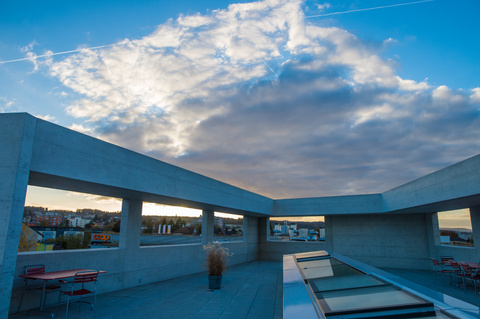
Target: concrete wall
[274, 250]
[394, 241]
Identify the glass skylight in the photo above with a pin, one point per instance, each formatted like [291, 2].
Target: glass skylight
[342, 291]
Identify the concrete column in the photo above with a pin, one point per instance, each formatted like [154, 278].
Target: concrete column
[433, 234]
[435, 229]
[475, 220]
[329, 239]
[263, 229]
[263, 232]
[131, 223]
[247, 234]
[17, 134]
[250, 234]
[208, 221]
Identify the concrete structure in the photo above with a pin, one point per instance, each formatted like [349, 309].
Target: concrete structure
[397, 228]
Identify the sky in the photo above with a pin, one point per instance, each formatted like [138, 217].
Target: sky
[283, 98]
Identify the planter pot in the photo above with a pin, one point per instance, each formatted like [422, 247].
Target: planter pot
[214, 282]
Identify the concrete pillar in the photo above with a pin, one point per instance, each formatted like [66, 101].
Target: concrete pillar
[247, 234]
[17, 134]
[130, 225]
[475, 220]
[208, 220]
[329, 239]
[433, 234]
[263, 229]
[263, 232]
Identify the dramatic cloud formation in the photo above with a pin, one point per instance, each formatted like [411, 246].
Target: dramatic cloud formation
[258, 96]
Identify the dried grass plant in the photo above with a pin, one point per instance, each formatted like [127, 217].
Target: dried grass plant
[217, 257]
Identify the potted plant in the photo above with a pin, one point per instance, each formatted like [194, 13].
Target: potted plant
[217, 256]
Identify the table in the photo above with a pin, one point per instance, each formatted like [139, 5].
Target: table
[55, 275]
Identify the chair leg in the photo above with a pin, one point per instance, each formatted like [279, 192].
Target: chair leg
[95, 302]
[68, 303]
[59, 302]
[21, 300]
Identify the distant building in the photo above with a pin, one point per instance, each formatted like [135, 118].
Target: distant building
[79, 221]
[56, 220]
[42, 218]
[283, 229]
[53, 232]
[49, 219]
[303, 232]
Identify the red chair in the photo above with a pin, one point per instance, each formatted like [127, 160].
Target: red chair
[446, 259]
[457, 272]
[440, 269]
[36, 269]
[469, 274]
[84, 284]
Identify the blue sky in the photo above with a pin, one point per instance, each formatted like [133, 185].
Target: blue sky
[283, 98]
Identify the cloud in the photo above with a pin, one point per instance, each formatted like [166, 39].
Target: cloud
[258, 96]
[6, 104]
[324, 6]
[475, 97]
[47, 117]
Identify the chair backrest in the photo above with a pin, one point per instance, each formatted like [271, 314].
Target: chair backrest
[455, 265]
[85, 276]
[34, 269]
[466, 268]
[445, 258]
[435, 262]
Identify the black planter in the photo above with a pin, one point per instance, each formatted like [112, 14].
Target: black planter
[214, 282]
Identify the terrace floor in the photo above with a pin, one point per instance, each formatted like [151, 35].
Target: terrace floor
[251, 290]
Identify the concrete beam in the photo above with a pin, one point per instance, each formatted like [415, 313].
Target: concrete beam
[335, 205]
[83, 163]
[453, 187]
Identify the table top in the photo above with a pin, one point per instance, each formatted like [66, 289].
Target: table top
[472, 264]
[61, 274]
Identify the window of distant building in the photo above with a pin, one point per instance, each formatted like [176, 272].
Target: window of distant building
[298, 228]
[456, 228]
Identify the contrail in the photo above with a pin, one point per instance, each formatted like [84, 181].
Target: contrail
[368, 9]
[60, 53]
[111, 45]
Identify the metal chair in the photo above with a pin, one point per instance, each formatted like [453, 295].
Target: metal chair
[457, 272]
[469, 274]
[84, 284]
[36, 269]
[440, 269]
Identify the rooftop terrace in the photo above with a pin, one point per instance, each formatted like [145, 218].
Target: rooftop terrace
[394, 229]
[250, 290]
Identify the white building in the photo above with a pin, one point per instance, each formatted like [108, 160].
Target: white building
[79, 221]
